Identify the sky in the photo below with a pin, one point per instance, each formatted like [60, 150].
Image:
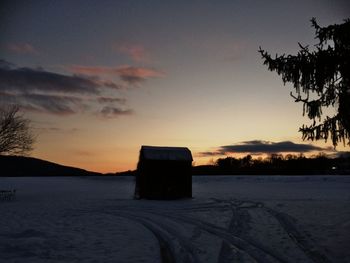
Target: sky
[98, 79]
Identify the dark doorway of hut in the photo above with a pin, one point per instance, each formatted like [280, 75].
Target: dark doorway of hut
[164, 173]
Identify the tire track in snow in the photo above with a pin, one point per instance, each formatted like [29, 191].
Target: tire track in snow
[236, 226]
[286, 222]
[305, 244]
[239, 226]
[254, 251]
[173, 247]
[233, 243]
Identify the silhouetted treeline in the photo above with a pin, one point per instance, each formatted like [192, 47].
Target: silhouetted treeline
[277, 164]
[12, 166]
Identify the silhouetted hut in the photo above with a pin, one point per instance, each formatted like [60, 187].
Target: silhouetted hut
[164, 173]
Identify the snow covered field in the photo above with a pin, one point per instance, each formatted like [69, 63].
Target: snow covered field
[229, 219]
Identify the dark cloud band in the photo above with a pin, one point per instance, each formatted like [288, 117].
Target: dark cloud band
[41, 91]
[264, 147]
[29, 80]
[268, 147]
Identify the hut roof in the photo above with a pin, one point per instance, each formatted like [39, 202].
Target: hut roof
[166, 153]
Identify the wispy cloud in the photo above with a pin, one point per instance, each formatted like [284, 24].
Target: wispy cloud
[264, 147]
[5, 64]
[22, 48]
[113, 112]
[134, 75]
[136, 52]
[29, 80]
[45, 103]
[59, 105]
[104, 100]
[93, 70]
[208, 153]
[129, 74]
[42, 91]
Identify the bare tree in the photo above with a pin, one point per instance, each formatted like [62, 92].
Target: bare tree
[16, 137]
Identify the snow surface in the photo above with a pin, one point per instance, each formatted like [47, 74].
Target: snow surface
[229, 219]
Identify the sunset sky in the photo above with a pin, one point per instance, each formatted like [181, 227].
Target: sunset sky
[98, 79]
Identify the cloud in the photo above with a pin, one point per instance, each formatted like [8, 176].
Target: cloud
[129, 74]
[136, 52]
[29, 80]
[94, 71]
[105, 100]
[109, 84]
[22, 48]
[59, 105]
[208, 153]
[135, 75]
[264, 147]
[258, 146]
[45, 103]
[40, 91]
[5, 64]
[114, 112]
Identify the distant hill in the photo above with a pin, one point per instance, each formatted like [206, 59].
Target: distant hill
[28, 166]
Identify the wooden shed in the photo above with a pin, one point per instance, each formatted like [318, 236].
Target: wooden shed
[164, 173]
